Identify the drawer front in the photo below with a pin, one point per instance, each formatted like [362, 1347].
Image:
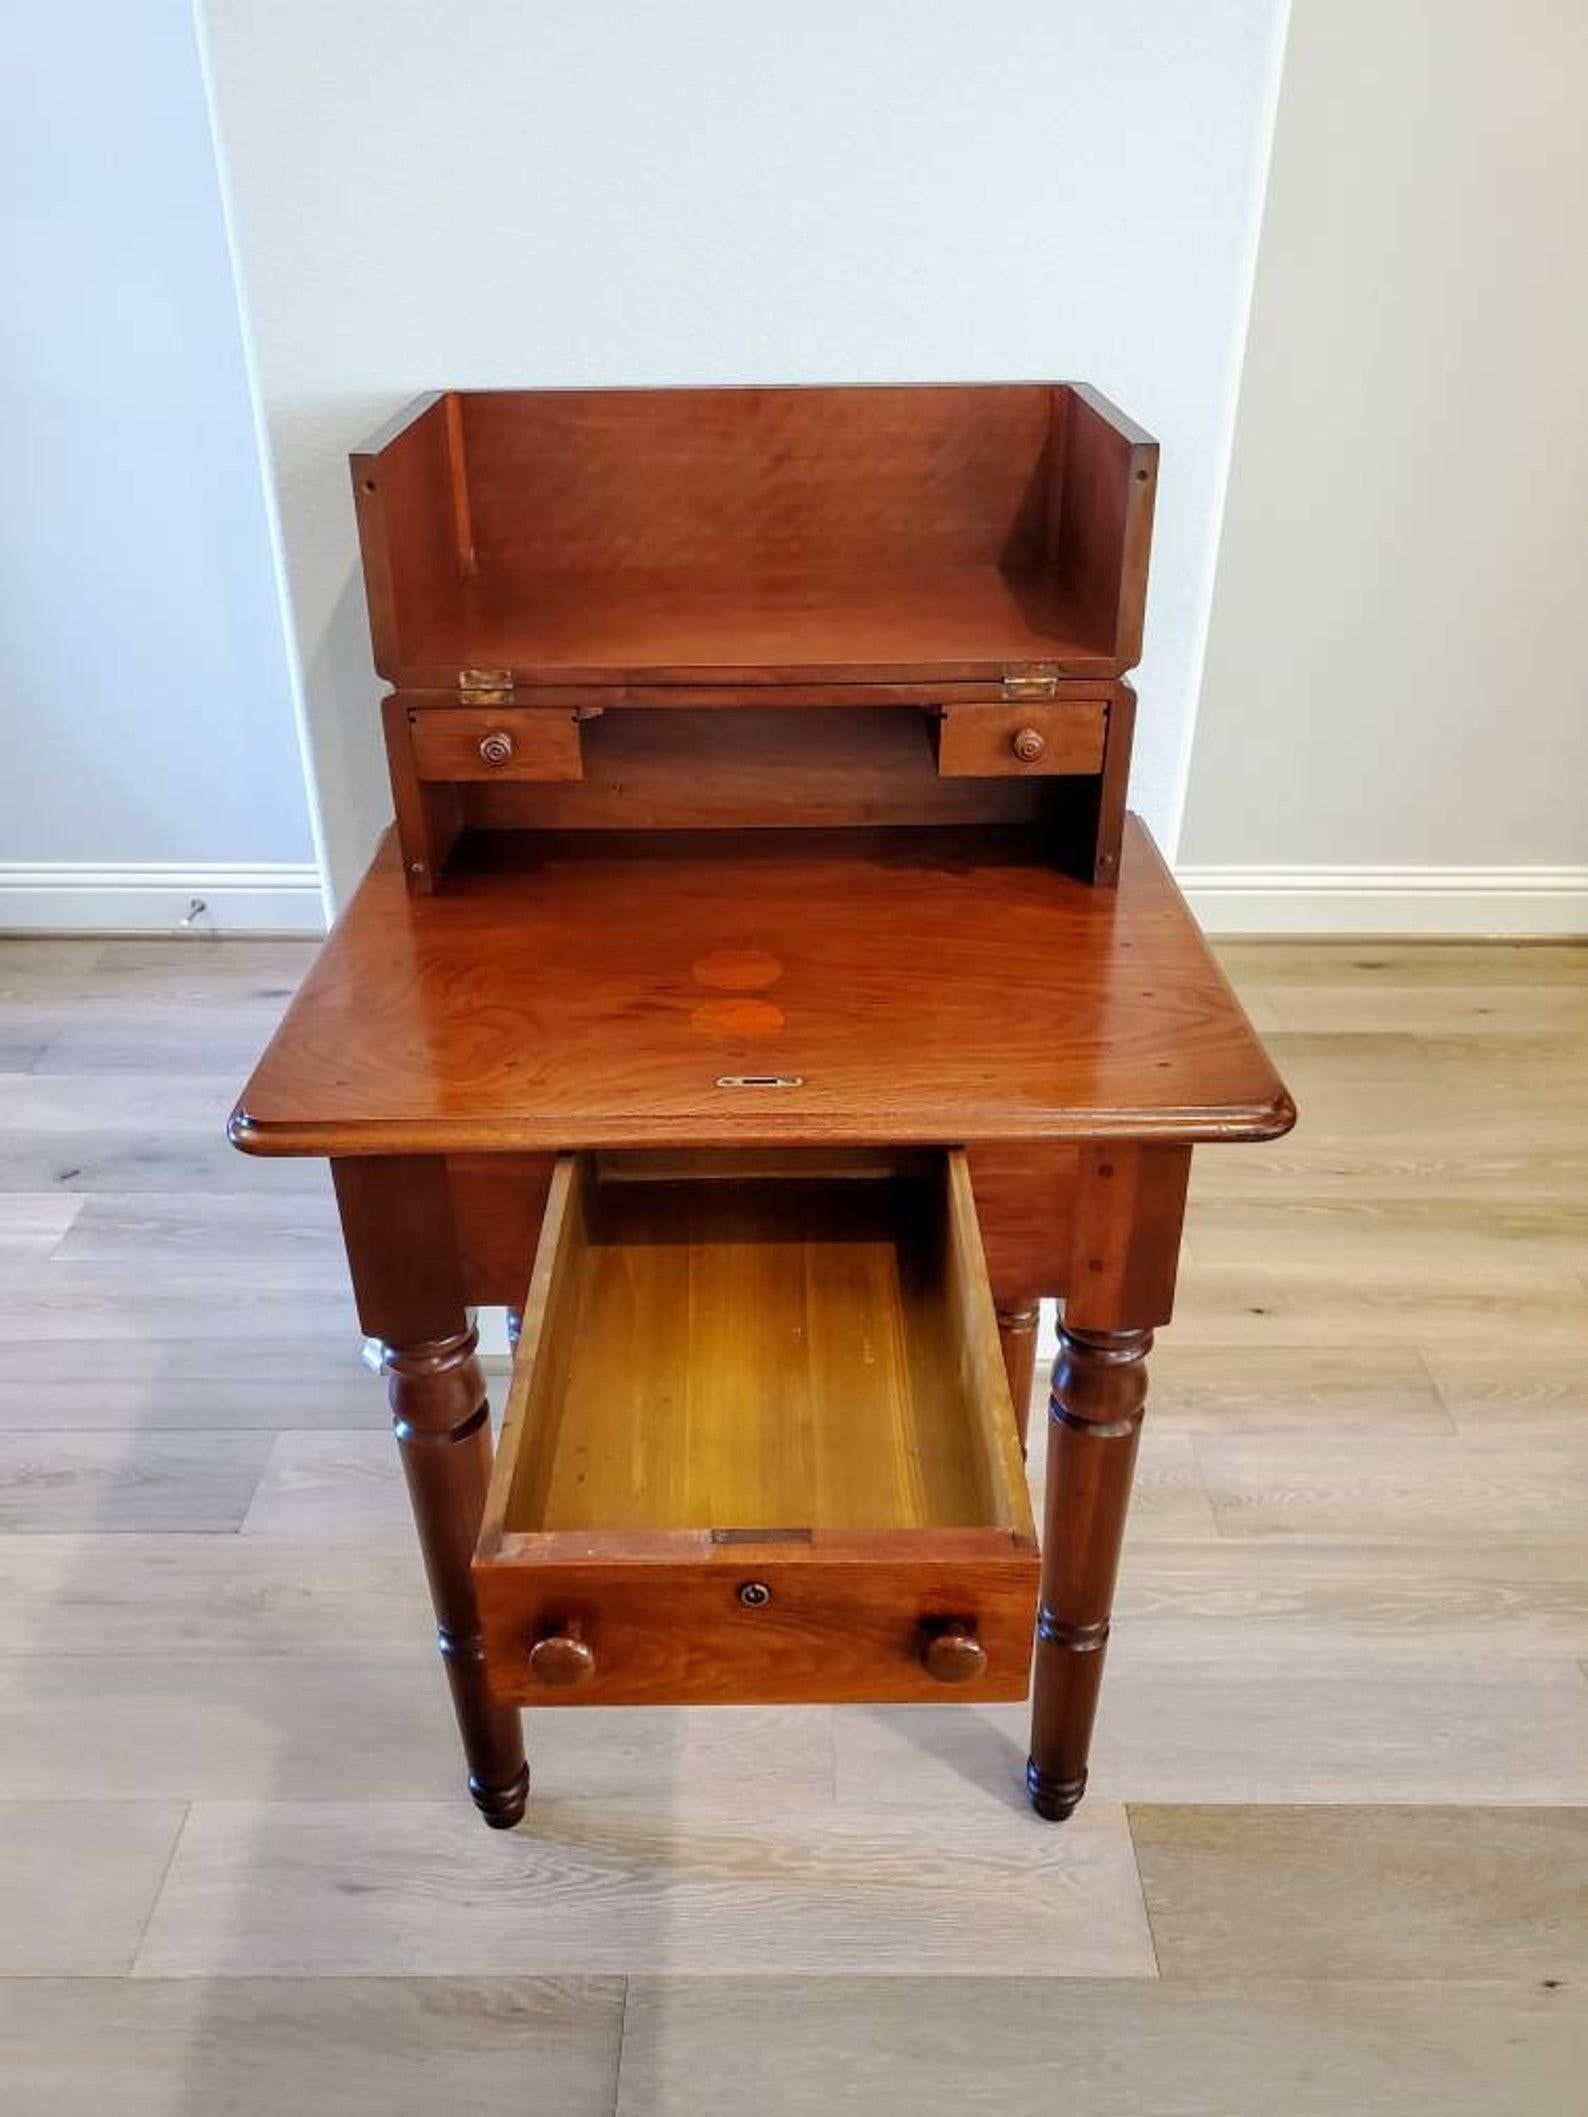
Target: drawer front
[758, 1446]
[495, 742]
[751, 1626]
[1014, 741]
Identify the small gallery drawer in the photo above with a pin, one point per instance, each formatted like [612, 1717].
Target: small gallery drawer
[994, 742]
[496, 742]
[758, 1447]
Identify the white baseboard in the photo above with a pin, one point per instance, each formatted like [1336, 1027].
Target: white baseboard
[1507, 901]
[284, 897]
[238, 897]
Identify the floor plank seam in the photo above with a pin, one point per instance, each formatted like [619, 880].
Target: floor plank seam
[159, 1890]
[1141, 1884]
[623, 2038]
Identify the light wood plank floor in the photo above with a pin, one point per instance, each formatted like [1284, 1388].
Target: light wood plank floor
[1336, 1857]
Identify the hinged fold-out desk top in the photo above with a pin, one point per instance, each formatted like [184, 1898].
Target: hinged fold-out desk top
[900, 985]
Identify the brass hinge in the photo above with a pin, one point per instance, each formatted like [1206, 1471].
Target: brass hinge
[485, 687]
[1030, 683]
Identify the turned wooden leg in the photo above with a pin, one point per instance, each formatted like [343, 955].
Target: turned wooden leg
[1094, 1415]
[402, 1251]
[443, 1427]
[1129, 1203]
[1017, 1333]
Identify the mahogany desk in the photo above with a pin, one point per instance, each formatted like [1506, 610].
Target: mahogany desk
[939, 987]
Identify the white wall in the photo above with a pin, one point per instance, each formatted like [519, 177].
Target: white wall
[705, 191]
[1394, 728]
[150, 750]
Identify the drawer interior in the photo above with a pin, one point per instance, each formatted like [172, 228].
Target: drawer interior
[758, 1446]
[736, 1344]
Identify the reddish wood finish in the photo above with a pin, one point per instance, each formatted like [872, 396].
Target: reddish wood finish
[835, 1369]
[1128, 1210]
[955, 1654]
[1023, 1202]
[610, 535]
[923, 987]
[926, 545]
[1021, 741]
[429, 816]
[1103, 499]
[842, 1622]
[1017, 1332]
[497, 1204]
[1024, 1191]
[855, 911]
[1099, 1388]
[956, 625]
[1104, 831]
[446, 1046]
[410, 1292]
[403, 491]
[702, 769]
[461, 743]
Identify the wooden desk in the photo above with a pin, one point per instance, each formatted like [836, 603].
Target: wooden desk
[942, 987]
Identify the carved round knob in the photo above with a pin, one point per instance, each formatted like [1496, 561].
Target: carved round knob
[954, 1655]
[562, 1659]
[1028, 745]
[497, 747]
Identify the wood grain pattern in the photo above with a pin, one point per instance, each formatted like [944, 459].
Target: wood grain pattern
[407, 1277]
[1103, 507]
[1021, 742]
[928, 626]
[1023, 1199]
[596, 549]
[1485, 1893]
[1307, 1488]
[116, 1852]
[456, 743]
[429, 813]
[1319, 1724]
[1017, 1333]
[403, 495]
[1421, 1670]
[1331, 1726]
[1092, 1014]
[1379, 1389]
[754, 480]
[331, 1484]
[702, 769]
[116, 1482]
[184, 1384]
[1174, 2048]
[601, 1885]
[757, 534]
[364, 2047]
[730, 1352]
[728, 1376]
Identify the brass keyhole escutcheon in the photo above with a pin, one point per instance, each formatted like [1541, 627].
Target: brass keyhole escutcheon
[1029, 745]
[497, 747]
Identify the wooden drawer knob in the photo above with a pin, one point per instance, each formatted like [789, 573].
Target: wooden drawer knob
[1028, 745]
[954, 1655]
[562, 1659]
[497, 747]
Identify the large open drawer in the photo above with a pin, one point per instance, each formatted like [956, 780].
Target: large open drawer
[759, 1446]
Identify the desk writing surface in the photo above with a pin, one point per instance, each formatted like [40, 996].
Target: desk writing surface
[924, 985]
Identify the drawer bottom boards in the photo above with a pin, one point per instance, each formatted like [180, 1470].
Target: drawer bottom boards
[758, 1446]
